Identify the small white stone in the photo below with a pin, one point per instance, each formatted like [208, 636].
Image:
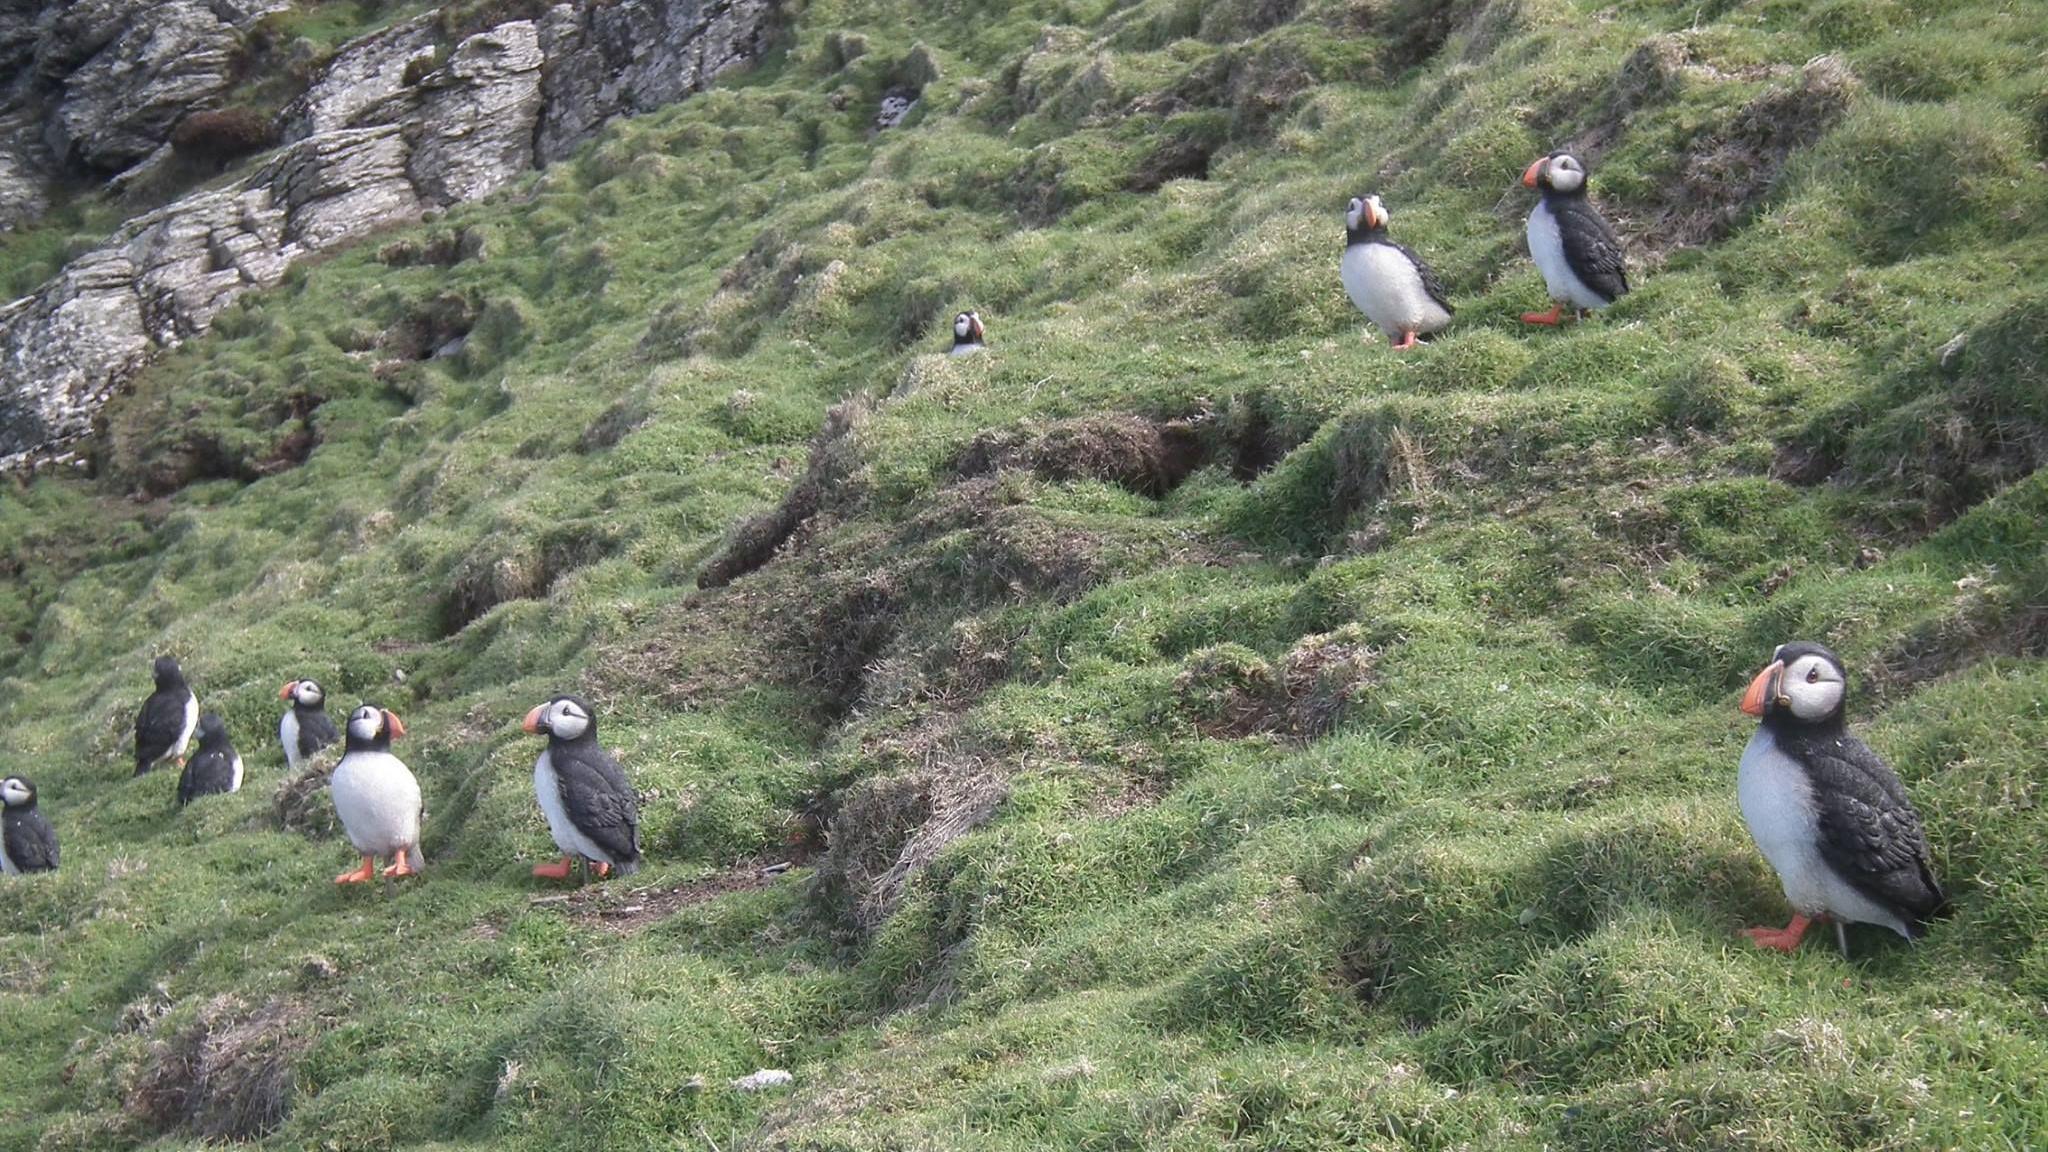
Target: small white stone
[763, 1080]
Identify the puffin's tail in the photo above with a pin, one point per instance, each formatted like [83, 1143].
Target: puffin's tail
[417, 858]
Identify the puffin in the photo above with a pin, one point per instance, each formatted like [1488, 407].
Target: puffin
[27, 842]
[164, 726]
[1388, 282]
[215, 768]
[1829, 815]
[969, 336]
[591, 809]
[1574, 246]
[377, 797]
[305, 728]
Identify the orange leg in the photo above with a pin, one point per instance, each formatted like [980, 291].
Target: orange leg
[604, 870]
[401, 865]
[1782, 939]
[1407, 342]
[559, 870]
[367, 871]
[1553, 317]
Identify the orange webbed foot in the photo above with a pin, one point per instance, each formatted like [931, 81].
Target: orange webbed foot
[360, 875]
[1406, 342]
[559, 870]
[1784, 939]
[1553, 318]
[604, 870]
[401, 866]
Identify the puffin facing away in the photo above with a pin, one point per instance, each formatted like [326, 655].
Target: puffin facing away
[305, 728]
[164, 726]
[1389, 283]
[215, 768]
[27, 842]
[968, 335]
[1831, 818]
[1577, 251]
[591, 809]
[377, 797]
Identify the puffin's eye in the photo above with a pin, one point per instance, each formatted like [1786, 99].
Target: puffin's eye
[1813, 674]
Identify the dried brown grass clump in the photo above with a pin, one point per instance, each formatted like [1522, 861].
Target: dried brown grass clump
[1229, 691]
[227, 1075]
[223, 134]
[1987, 620]
[833, 464]
[301, 803]
[1147, 457]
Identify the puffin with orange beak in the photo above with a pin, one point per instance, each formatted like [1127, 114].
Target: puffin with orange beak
[592, 810]
[969, 336]
[1573, 245]
[377, 797]
[1829, 815]
[1389, 283]
[305, 728]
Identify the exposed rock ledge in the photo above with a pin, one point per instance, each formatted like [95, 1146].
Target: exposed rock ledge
[384, 134]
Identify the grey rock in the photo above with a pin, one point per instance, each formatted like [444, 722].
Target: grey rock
[361, 79]
[475, 127]
[120, 105]
[25, 167]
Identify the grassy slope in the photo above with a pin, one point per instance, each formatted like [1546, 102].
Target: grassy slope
[1494, 907]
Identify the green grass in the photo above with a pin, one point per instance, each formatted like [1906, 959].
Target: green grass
[1366, 782]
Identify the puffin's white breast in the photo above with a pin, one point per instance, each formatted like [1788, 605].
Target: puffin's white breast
[288, 735]
[1388, 288]
[547, 789]
[1779, 806]
[1546, 248]
[378, 800]
[965, 349]
[235, 784]
[7, 867]
[191, 722]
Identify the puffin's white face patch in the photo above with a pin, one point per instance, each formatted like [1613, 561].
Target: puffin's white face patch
[962, 325]
[1354, 213]
[364, 723]
[1565, 174]
[1814, 687]
[309, 693]
[566, 720]
[13, 791]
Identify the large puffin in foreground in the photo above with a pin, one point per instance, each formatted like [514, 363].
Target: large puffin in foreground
[377, 797]
[591, 809]
[27, 842]
[215, 769]
[164, 725]
[1831, 817]
[304, 728]
[1573, 245]
[1389, 283]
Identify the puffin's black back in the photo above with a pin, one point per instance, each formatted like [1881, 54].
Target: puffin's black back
[316, 730]
[1590, 245]
[30, 841]
[597, 796]
[1870, 833]
[162, 718]
[211, 770]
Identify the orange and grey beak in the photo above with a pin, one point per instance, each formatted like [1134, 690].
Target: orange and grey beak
[980, 335]
[1374, 218]
[1533, 171]
[1763, 690]
[532, 722]
[393, 724]
[285, 693]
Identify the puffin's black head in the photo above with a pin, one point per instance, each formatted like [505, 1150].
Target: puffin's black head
[1560, 173]
[167, 673]
[372, 729]
[1365, 217]
[1803, 684]
[304, 694]
[17, 792]
[564, 718]
[967, 328]
[212, 730]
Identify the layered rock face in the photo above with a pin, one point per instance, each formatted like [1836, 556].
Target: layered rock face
[394, 125]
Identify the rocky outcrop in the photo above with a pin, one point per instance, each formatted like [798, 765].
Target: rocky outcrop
[390, 129]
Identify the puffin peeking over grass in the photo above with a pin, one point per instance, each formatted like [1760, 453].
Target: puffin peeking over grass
[164, 725]
[215, 769]
[1829, 815]
[27, 842]
[304, 729]
[592, 811]
[377, 797]
[969, 336]
[1388, 282]
[1577, 251]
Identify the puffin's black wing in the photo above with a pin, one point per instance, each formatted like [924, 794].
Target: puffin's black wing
[211, 771]
[599, 800]
[316, 731]
[31, 842]
[157, 727]
[1430, 283]
[1591, 247]
[1869, 832]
